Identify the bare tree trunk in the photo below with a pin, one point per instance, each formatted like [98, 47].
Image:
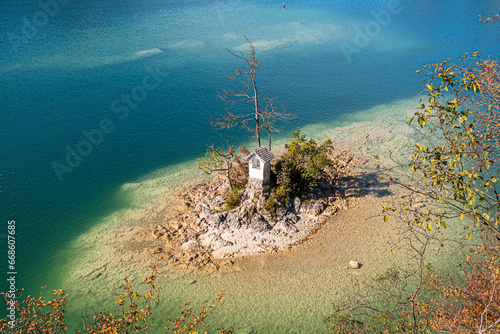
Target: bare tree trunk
[269, 134]
[256, 107]
[262, 117]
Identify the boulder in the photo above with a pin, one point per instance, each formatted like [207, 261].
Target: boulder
[260, 225]
[284, 226]
[217, 219]
[296, 204]
[234, 221]
[305, 208]
[189, 245]
[319, 207]
[208, 239]
[260, 203]
[292, 217]
[353, 264]
[270, 220]
[211, 267]
[313, 209]
[230, 217]
[281, 212]
[330, 211]
[221, 243]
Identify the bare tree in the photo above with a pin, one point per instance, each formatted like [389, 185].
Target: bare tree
[272, 114]
[259, 117]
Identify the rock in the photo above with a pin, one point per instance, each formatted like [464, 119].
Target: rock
[331, 200]
[292, 217]
[260, 203]
[220, 217]
[341, 203]
[189, 244]
[330, 211]
[313, 209]
[296, 204]
[209, 238]
[250, 194]
[201, 222]
[157, 250]
[232, 220]
[256, 218]
[270, 220]
[217, 219]
[281, 212]
[159, 231]
[214, 240]
[177, 226]
[284, 227]
[221, 243]
[235, 222]
[260, 225]
[353, 264]
[318, 207]
[306, 208]
[201, 206]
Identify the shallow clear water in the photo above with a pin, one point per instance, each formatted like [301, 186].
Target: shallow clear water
[64, 73]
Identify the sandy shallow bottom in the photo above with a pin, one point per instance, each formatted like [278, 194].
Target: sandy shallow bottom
[289, 292]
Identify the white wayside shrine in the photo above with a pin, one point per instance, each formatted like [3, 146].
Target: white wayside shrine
[259, 165]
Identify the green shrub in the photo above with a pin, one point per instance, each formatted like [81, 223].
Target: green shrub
[271, 204]
[232, 200]
[295, 173]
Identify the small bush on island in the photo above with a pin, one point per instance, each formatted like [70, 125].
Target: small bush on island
[295, 173]
[232, 200]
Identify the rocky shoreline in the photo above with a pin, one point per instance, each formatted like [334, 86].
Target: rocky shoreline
[201, 235]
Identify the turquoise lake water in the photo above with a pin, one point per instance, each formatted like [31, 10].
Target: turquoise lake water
[139, 79]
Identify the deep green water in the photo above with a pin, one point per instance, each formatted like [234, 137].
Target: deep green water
[65, 69]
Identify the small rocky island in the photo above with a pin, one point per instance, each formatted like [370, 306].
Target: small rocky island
[205, 233]
[259, 203]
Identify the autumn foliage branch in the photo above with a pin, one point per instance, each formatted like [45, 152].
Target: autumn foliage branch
[133, 314]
